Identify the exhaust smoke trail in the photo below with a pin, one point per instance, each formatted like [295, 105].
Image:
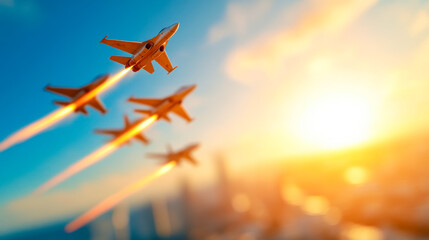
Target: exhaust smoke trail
[53, 118]
[36, 127]
[97, 155]
[116, 198]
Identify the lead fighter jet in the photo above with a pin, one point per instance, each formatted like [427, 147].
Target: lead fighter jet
[77, 93]
[118, 132]
[144, 52]
[177, 157]
[162, 106]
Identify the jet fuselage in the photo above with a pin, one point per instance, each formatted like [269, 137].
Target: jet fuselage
[182, 154]
[152, 49]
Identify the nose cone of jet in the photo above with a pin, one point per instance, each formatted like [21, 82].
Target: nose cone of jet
[183, 92]
[174, 27]
[189, 89]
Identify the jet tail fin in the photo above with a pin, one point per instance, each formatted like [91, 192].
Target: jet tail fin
[121, 60]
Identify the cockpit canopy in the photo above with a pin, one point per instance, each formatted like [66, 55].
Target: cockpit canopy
[162, 30]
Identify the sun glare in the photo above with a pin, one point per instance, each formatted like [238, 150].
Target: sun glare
[335, 121]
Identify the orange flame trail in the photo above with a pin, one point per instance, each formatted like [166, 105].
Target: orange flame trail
[36, 127]
[53, 118]
[97, 155]
[114, 199]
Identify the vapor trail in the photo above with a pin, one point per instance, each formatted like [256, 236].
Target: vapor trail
[97, 155]
[116, 198]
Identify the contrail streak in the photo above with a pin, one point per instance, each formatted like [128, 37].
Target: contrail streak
[116, 198]
[98, 155]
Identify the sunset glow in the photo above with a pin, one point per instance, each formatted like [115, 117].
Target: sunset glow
[336, 120]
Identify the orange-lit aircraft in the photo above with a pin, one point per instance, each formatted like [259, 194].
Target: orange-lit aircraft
[77, 93]
[176, 157]
[127, 126]
[161, 107]
[144, 52]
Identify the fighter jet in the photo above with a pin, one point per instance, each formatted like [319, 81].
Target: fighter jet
[177, 157]
[144, 52]
[76, 95]
[127, 126]
[163, 106]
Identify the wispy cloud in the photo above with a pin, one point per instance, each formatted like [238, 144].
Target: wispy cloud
[251, 61]
[238, 17]
[420, 22]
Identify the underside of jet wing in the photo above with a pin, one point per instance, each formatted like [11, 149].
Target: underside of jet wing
[164, 61]
[95, 103]
[181, 112]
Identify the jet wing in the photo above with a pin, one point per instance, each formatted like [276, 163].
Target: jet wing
[82, 110]
[126, 46]
[181, 112]
[165, 117]
[95, 103]
[164, 61]
[113, 132]
[67, 92]
[153, 102]
[97, 82]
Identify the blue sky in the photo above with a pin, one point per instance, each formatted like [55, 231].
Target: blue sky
[261, 66]
[62, 40]
[55, 43]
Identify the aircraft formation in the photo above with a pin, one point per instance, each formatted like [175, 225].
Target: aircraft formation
[143, 53]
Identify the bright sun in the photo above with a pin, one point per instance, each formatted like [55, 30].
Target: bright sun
[336, 120]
